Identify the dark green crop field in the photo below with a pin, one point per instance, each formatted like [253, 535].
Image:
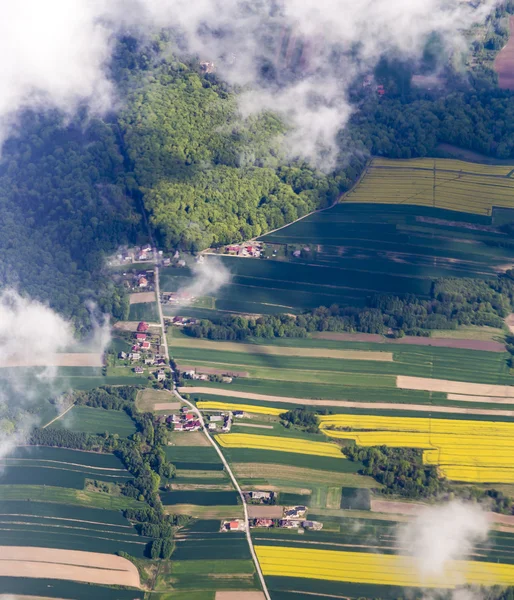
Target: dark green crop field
[200, 498]
[97, 420]
[146, 311]
[64, 455]
[54, 510]
[53, 588]
[356, 251]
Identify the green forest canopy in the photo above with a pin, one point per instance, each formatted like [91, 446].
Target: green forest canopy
[71, 193]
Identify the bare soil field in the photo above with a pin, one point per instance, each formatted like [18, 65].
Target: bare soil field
[188, 438]
[283, 350]
[454, 387]
[89, 567]
[367, 405]
[166, 406]
[211, 370]
[149, 400]
[256, 511]
[240, 595]
[142, 297]
[374, 338]
[221, 487]
[56, 360]
[443, 342]
[504, 62]
[413, 508]
[481, 399]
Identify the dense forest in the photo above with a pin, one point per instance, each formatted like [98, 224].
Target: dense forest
[73, 190]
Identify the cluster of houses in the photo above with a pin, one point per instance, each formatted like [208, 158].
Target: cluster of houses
[192, 374]
[223, 421]
[253, 250]
[183, 321]
[142, 351]
[185, 421]
[259, 497]
[138, 254]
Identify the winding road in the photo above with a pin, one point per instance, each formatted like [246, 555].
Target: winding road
[213, 443]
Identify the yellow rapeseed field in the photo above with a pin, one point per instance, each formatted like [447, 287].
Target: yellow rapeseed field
[249, 408]
[463, 450]
[441, 183]
[281, 444]
[384, 569]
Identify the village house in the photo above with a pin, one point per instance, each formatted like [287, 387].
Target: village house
[235, 525]
[143, 282]
[238, 414]
[263, 523]
[161, 375]
[140, 337]
[134, 356]
[149, 361]
[262, 496]
[289, 524]
[314, 525]
[145, 346]
[226, 379]
[142, 327]
[212, 426]
[139, 370]
[122, 355]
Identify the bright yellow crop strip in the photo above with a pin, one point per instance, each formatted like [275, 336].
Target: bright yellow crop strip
[280, 444]
[385, 569]
[249, 408]
[477, 474]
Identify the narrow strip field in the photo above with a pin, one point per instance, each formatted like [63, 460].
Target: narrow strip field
[212, 405]
[188, 342]
[90, 567]
[72, 359]
[454, 387]
[268, 442]
[384, 569]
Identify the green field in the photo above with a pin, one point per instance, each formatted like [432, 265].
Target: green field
[53, 588]
[145, 311]
[96, 420]
[356, 251]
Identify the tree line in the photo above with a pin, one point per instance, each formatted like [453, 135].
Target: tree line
[452, 302]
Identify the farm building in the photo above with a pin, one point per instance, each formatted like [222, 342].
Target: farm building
[260, 495]
[314, 525]
[142, 327]
[263, 523]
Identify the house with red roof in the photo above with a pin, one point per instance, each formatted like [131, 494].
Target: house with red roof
[140, 337]
[142, 327]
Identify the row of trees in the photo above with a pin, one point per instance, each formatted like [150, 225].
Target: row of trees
[453, 302]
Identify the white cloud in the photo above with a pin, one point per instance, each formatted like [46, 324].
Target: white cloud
[440, 534]
[208, 277]
[54, 53]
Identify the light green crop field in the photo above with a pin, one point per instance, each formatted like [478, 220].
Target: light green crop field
[438, 183]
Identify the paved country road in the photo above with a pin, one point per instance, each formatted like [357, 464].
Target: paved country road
[213, 443]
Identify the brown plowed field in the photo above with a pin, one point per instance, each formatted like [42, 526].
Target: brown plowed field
[142, 297]
[413, 508]
[413, 341]
[51, 563]
[482, 399]
[256, 511]
[454, 387]
[56, 360]
[504, 63]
